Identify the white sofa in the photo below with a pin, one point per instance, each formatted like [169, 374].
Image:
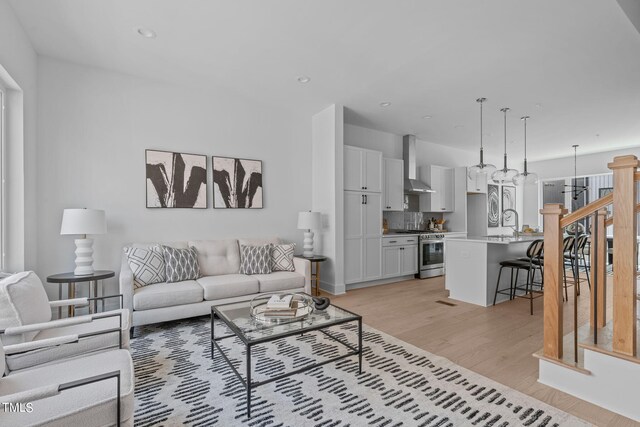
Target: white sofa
[220, 282]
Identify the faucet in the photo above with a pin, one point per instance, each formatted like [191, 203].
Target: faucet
[516, 233]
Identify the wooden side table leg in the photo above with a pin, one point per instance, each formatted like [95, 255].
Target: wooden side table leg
[59, 298]
[94, 287]
[71, 292]
[317, 279]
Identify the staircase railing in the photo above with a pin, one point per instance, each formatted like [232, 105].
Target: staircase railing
[625, 227]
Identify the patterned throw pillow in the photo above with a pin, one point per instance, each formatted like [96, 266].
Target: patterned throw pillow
[255, 259]
[282, 257]
[147, 265]
[181, 264]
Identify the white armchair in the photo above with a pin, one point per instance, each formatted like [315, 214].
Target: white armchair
[82, 334]
[92, 390]
[25, 319]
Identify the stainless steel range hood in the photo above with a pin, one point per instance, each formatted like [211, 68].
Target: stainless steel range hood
[411, 183]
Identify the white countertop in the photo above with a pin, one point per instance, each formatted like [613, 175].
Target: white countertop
[396, 234]
[500, 240]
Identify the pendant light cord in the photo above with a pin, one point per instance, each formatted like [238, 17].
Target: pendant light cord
[525, 118]
[504, 110]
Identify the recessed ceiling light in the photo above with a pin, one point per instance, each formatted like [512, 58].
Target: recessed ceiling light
[146, 32]
[458, 127]
[426, 117]
[304, 79]
[538, 105]
[385, 104]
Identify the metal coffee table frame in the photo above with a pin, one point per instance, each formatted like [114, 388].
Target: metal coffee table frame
[248, 343]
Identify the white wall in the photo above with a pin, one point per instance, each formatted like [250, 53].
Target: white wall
[588, 164]
[327, 194]
[19, 61]
[93, 130]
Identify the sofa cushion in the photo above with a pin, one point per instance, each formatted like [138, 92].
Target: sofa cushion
[228, 286]
[167, 295]
[259, 241]
[255, 259]
[181, 264]
[280, 281]
[23, 301]
[217, 256]
[147, 265]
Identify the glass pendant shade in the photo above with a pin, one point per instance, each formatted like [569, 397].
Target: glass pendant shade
[482, 169]
[525, 177]
[504, 175]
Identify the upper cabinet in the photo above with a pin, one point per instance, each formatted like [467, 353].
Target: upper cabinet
[477, 184]
[362, 169]
[393, 185]
[442, 181]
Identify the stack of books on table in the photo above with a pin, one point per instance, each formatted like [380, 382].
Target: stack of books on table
[281, 307]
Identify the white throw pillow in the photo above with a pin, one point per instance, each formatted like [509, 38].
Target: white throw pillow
[147, 265]
[282, 257]
[23, 301]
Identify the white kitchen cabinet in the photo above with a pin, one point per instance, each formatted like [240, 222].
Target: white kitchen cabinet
[393, 185]
[442, 181]
[399, 256]
[477, 184]
[362, 170]
[363, 236]
[409, 259]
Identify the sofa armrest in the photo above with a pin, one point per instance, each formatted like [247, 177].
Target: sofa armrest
[303, 266]
[126, 284]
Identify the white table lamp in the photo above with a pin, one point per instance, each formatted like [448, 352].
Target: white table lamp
[83, 222]
[308, 221]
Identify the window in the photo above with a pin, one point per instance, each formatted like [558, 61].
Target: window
[2, 179]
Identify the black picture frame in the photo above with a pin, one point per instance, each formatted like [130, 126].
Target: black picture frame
[508, 199]
[158, 181]
[248, 173]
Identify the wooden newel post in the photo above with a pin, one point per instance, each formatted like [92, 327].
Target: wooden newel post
[598, 269]
[553, 265]
[625, 254]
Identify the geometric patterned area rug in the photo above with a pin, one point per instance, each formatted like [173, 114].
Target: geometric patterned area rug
[177, 383]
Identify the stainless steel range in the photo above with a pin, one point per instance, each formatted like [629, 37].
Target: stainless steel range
[431, 254]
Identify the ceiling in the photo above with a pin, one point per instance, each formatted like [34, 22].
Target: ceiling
[572, 65]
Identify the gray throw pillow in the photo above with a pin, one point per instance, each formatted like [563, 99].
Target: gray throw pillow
[255, 259]
[147, 265]
[282, 257]
[181, 264]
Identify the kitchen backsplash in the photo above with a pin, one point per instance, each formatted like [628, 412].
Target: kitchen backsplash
[409, 220]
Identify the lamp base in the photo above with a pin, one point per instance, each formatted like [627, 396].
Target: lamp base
[84, 257]
[308, 244]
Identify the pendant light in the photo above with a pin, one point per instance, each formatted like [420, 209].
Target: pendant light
[481, 168]
[526, 177]
[504, 175]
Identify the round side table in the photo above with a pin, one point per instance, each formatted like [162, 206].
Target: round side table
[315, 272]
[71, 279]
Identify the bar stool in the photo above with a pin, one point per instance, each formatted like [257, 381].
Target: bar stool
[531, 264]
[581, 260]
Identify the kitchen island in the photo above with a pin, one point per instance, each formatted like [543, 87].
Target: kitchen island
[472, 265]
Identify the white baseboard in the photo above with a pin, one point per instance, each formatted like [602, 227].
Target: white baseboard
[379, 282]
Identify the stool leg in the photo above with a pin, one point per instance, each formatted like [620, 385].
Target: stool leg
[514, 284]
[529, 287]
[495, 295]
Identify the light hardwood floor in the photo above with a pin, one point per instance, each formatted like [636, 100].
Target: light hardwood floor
[497, 342]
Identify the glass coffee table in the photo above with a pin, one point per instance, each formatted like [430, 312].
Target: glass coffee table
[236, 316]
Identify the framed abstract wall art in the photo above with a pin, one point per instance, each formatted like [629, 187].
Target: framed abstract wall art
[237, 183]
[493, 207]
[176, 180]
[508, 202]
